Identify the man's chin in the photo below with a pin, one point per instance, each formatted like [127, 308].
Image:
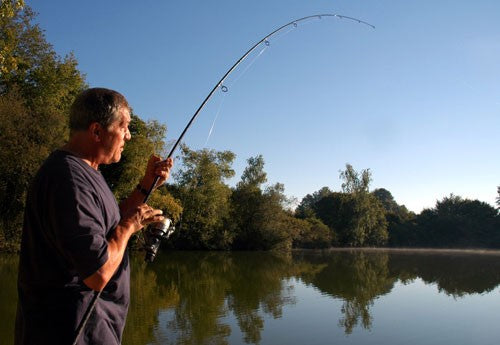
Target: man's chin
[115, 159]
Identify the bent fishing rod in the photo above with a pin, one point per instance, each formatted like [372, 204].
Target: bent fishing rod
[220, 84]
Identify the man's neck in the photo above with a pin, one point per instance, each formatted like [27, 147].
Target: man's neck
[77, 147]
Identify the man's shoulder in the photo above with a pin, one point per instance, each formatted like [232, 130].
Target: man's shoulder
[64, 169]
[61, 164]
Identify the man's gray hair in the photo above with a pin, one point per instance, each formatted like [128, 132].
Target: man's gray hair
[96, 105]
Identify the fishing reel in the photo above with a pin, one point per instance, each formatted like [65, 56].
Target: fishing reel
[153, 235]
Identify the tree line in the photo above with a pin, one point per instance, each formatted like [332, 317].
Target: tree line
[253, 216]
[37, 87]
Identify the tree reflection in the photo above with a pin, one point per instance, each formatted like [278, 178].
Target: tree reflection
[259, 286]
[8, 297]
[195, 319]
[456, 274]
[355, 277]
[195, 291]
[147, 297]
[190, 297]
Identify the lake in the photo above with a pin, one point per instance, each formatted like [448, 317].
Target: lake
[306, 297]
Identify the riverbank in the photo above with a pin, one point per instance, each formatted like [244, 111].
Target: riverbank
[483, 251]
[409, 250]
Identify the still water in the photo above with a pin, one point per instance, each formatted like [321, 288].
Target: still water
[307, 297]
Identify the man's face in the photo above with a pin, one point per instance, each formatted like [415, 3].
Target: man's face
[114, 137]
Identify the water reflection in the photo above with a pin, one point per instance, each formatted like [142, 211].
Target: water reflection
[455, 274]
[222, 298]
[8, 297]
[201, 290]
[355, 277]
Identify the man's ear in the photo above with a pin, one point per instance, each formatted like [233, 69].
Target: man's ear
[95, 130]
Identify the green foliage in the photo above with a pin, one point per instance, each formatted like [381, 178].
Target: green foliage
[312, 233]
[306, 208]
[254, 175]
[8, 8]
[259, 219]
[37, 88]
[355, 182]
[498, 197]
[354, 217]
[364, 216]
[357, 219]
[398, 218]
[392, 209]
[387, 200]
[205, 198]
[457, 222]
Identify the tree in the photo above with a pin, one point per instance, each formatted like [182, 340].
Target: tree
[9, 7]
[498, 197]
[37, 88]
[312, 233]
[398, 219]
[458, 222]
[387, 200]
[306, 208]
[356, 217]
[253, 176]
[355, 182]
[259, 219]
[205, 198]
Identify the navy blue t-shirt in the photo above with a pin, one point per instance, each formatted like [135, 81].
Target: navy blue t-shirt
[70, 212]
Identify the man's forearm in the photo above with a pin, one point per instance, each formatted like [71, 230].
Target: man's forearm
[117, 244]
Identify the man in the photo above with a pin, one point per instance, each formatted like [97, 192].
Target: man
[75, 235]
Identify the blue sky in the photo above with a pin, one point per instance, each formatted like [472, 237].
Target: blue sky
[417, 100]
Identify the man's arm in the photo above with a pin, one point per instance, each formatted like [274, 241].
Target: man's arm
[134, 216]
[117, 243]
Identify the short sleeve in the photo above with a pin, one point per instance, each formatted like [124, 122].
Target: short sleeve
[78, 226]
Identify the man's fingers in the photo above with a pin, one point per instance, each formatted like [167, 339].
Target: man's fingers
[168, 164]
[155, 158]
[152, 215]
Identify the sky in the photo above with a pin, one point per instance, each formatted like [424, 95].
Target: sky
[415, 100]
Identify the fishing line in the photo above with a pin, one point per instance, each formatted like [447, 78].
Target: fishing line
[267, 44]
[216, 117]
[247, 68]
[226, 88]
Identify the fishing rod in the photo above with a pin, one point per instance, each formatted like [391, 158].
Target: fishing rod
[220, 83]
